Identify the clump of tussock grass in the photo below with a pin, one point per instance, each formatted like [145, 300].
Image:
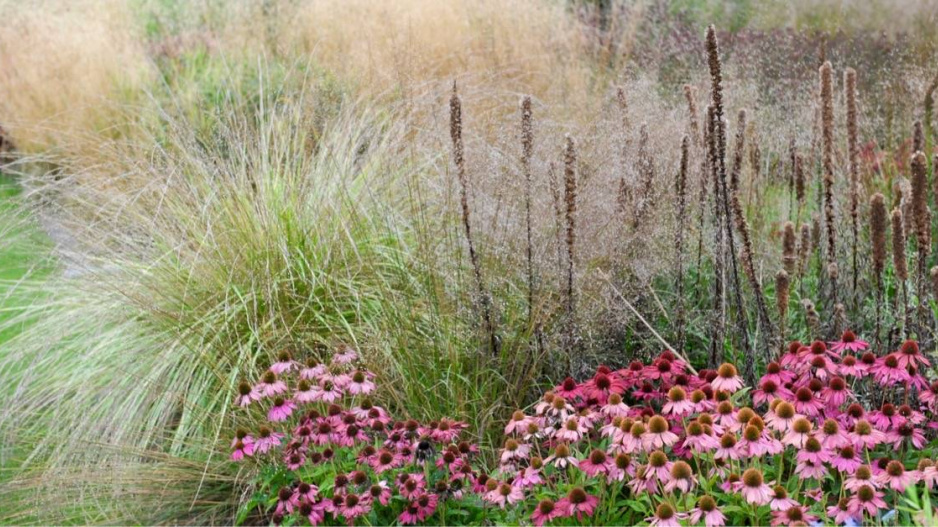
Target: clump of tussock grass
[214, 254]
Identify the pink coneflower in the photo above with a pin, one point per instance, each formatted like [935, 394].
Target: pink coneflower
[728, 447]
[798, 434]
[570, 390]
[821, 366]
[647, 392]
[727, 379]
[665, 516]
[514, 451]
[831, 435]
[846, 460]
[862, 476]
[909, 355]
[504, 494]
[768, 391]
[775, 373]
[907, 434]
[304, 392]
[836, 392]
[928, 471]
[622, 467]
[545, 511]
[813, 452]
[816, 349]
[284, 363]
[562, 457]
[930, 396]
[848, 342]
[380, 492]
[897, 477]
[781, 416]
[615, 407]
[285, 501]
[707, 511]
[682, 478]
[518, 423]
[577, 502]
[361, 383]
[411, 485]
[792, 357]
[809, 469]
[602, 385]
[866, 500]
[529, 476]
[314, 512]
[266, 439]
[270, 385]
[697, 440]
[353, 506]
[572, 431]
[247, 394]
[865, 436]
[795, 515]
[242, 449]
[294, 459]
[850, 367]
[780, 500]
[840, 512]
[754, 489]
[281, 409]
[346, 355]
[726, 414]
[658, 435]
[658, 467]
[806, 403]
[888, 372]
[596, 463]
[677, 404]
[312, 370]
[326, 391]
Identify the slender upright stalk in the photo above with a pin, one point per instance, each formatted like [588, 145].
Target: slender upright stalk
[455, 115]
[850, 96]
[570, 196]
[679, 237]
[899, 264]
[527, 152]
[719, 132]
[878, 240]
[827, 135]
[922, 222]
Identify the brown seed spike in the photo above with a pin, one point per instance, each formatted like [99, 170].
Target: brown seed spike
[827, 135]
[898, 246]
[789, 258]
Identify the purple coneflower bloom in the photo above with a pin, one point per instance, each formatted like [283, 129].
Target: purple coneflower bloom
[577, 502]
[665, 516]
[796, 515]
[281, 409]
[270, 385]
[266, 439]
[897, 477]
[780, 500]
[596, 463]
[888, 372]
[284, 363]
[658, 434]
[754, 489]
[727, 379]
[849, 342]
[545, 511]
[866, 500]
[707, 511]
[504, 494]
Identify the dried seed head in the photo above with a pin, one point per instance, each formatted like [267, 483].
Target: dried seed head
[878, 234]
[898, 245]
[789, 258]
[781, 293]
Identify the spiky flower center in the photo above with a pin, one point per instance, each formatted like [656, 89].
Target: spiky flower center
[752, 478]
[727, 371]
[657, 425]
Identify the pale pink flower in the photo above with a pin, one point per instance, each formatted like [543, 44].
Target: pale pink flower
[727, 379]
[281, 409]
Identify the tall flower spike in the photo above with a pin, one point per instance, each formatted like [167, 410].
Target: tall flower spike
[455, 130]
[850, 95]
[827, 135]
